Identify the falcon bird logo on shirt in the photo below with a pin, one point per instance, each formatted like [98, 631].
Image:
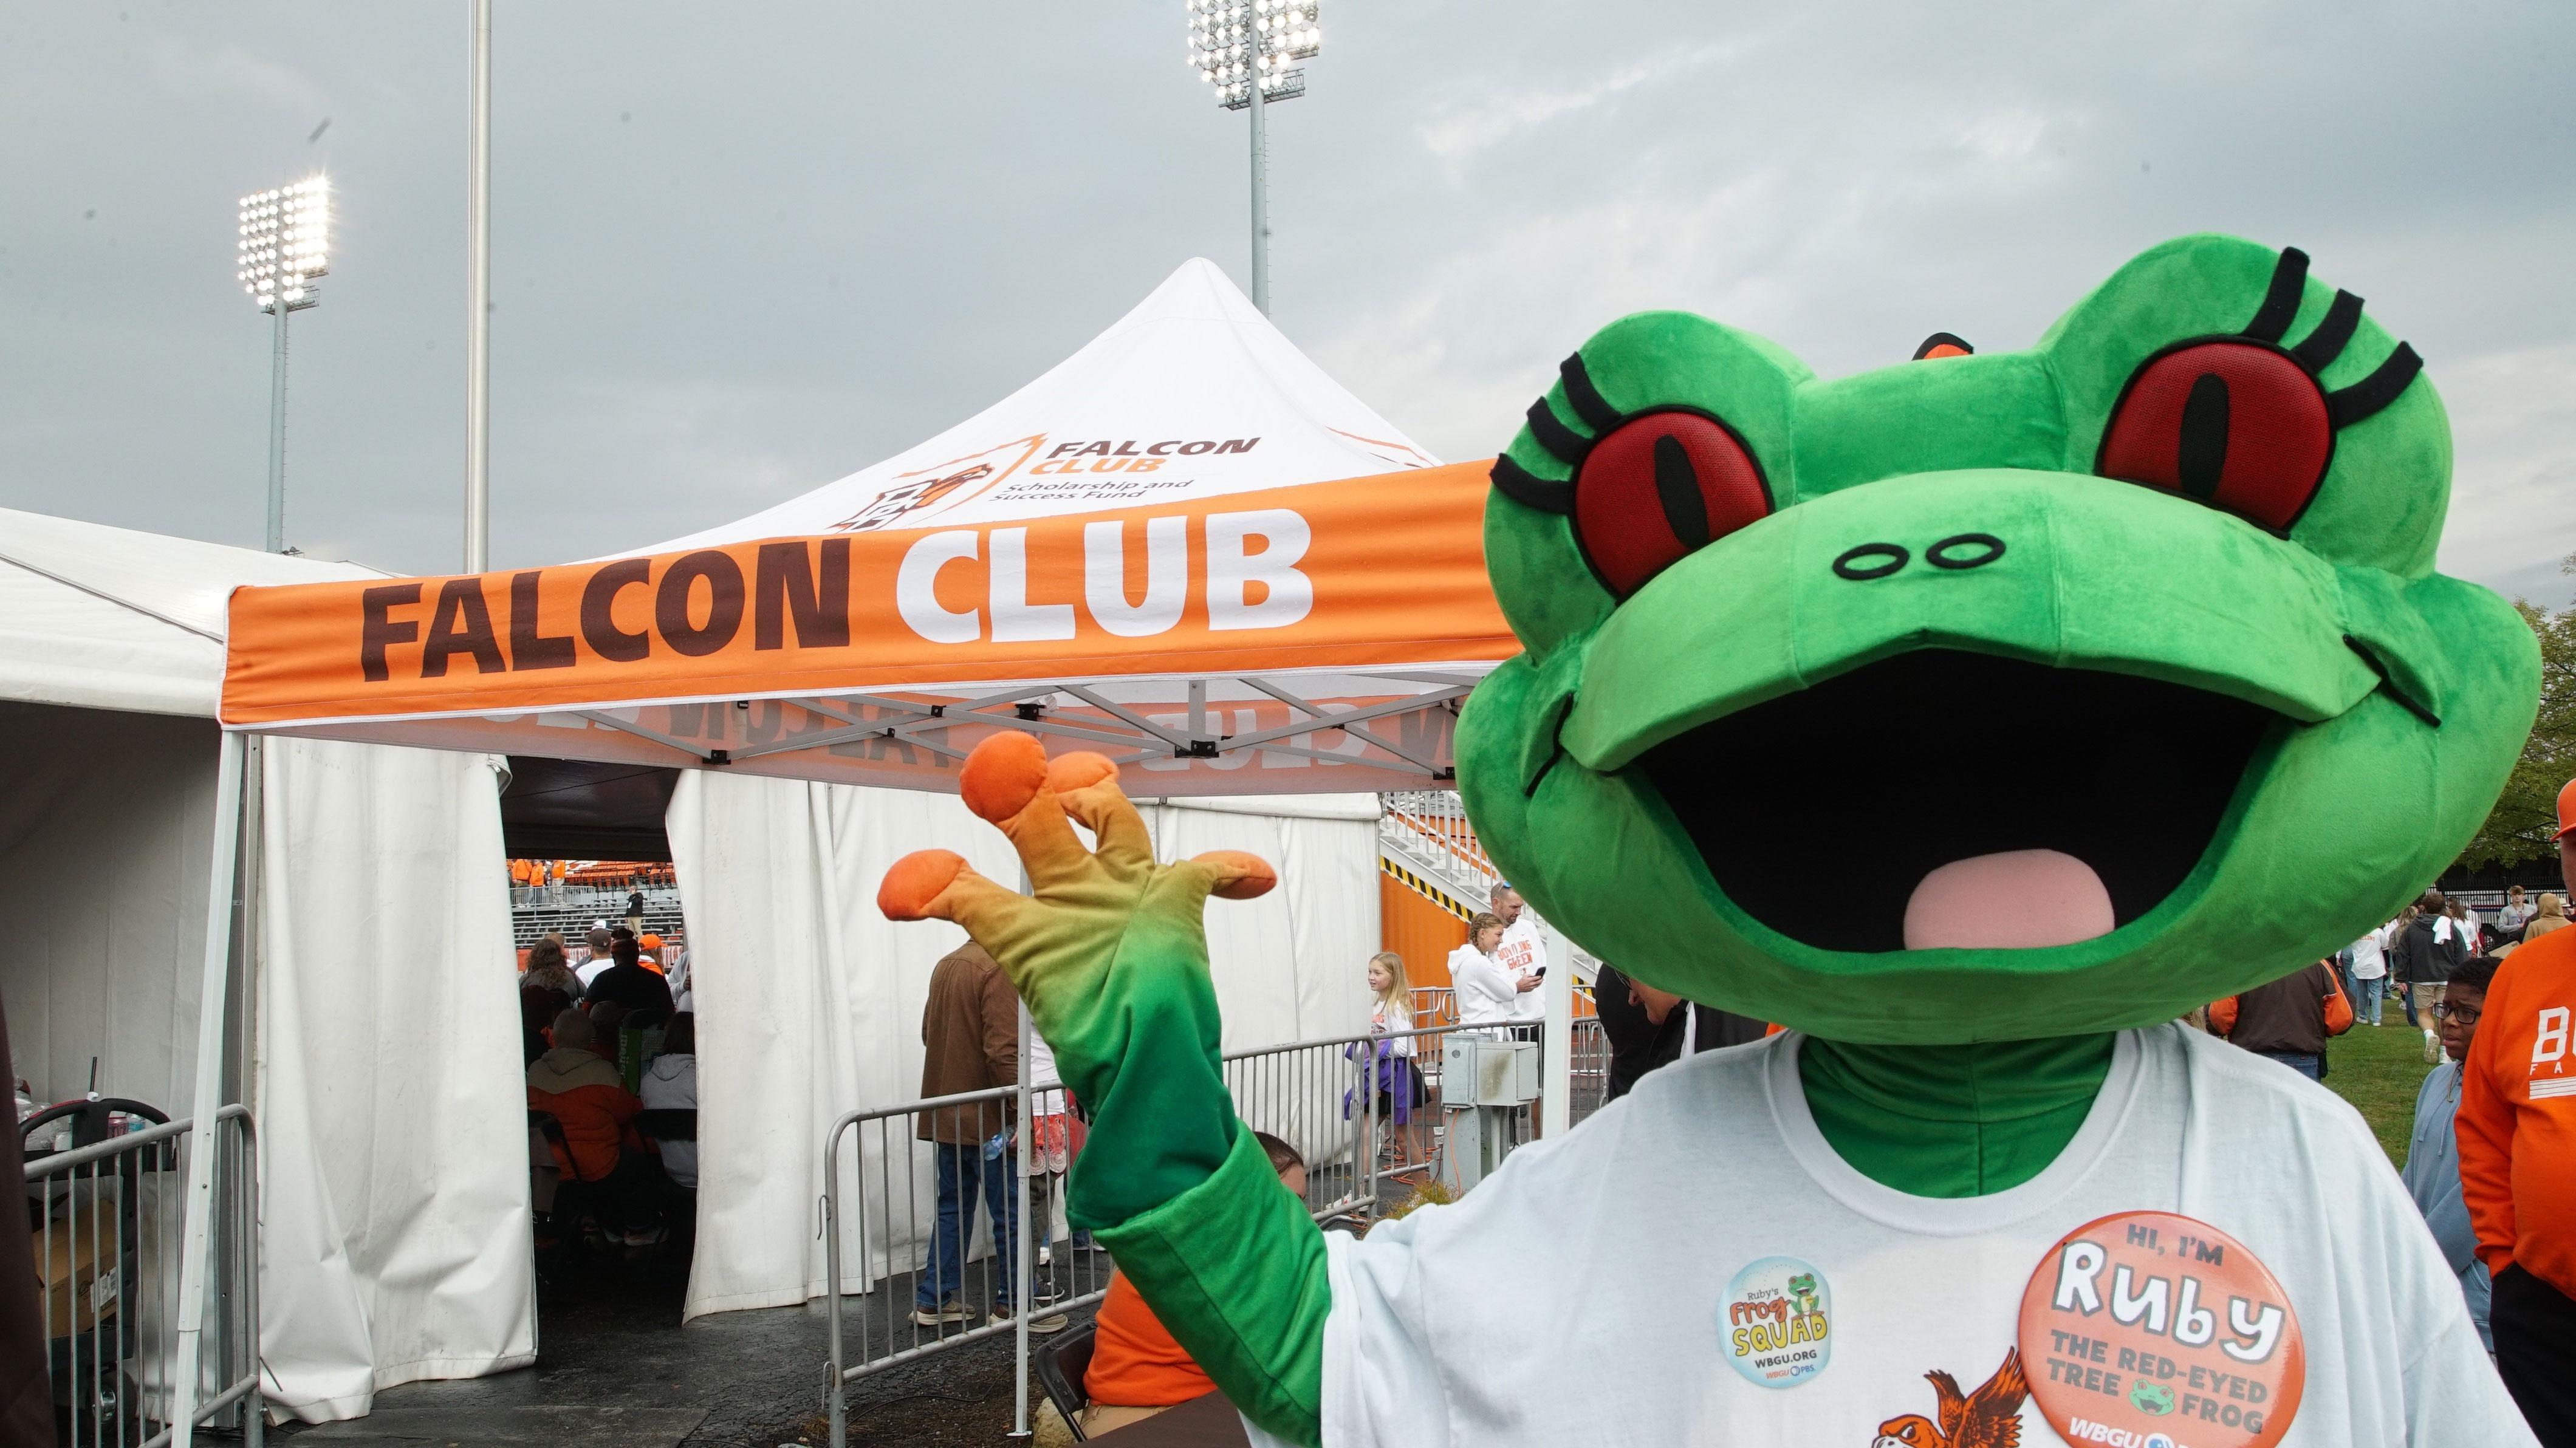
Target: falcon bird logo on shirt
[1990, 1417]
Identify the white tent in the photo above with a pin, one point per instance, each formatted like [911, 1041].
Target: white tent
[1184, 545]
[809, 1002]
[383, 1042]
[1192, 390]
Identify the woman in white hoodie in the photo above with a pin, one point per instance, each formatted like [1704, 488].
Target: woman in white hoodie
[671, 1084]
[1486, 992]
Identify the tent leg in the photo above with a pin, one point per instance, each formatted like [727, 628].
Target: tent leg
[1023, 1243]
[1556, 1058]
[211, 994]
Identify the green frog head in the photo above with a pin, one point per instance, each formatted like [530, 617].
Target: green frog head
[2144, 615]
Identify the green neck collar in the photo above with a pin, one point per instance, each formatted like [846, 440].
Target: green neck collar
[1953, 1121]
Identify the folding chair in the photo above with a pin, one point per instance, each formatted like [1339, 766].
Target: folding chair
[1061, 1364]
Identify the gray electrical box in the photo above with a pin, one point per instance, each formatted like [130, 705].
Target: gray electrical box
[1480, 1072]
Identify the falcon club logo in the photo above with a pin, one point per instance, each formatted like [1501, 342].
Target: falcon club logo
[934, 489]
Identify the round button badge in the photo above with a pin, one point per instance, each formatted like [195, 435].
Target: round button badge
[2151, 1330]
[1777, 1324]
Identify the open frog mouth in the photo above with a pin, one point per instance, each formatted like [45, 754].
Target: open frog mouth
[1820, 813]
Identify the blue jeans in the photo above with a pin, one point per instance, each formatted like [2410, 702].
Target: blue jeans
[964, 1174]
[2304, 1065]
[2366, 996]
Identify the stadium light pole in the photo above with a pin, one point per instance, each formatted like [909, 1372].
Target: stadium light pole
[285, 248]
[1243, 48]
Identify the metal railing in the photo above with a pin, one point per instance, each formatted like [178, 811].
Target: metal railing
[107, 1250]
[911, 1270]
[606, 900]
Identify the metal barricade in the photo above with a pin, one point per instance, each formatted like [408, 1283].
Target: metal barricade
[107, 1250]
[916, 1193]
[928, 1261]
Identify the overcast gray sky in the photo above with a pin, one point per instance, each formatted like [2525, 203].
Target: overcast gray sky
[742, 250]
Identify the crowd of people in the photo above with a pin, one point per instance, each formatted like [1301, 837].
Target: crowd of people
[610, 1042]
[2491, 1154]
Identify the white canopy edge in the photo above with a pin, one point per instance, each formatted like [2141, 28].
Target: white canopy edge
[1329, 732]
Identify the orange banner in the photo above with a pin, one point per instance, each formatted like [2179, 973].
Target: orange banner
[1372, 572]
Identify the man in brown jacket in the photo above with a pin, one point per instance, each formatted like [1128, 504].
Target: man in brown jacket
[2287, 1020]
[970, 1038]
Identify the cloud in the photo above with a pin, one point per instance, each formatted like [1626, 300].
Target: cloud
[1468, 128]
[731, 269]
[2513, 489]
[228, 71]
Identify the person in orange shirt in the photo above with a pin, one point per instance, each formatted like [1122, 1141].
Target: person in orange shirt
[2517, 1134]
[1136, 1369]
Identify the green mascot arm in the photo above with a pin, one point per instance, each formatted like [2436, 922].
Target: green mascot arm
[1111, 956]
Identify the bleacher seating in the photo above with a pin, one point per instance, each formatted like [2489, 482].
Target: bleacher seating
[571, 909]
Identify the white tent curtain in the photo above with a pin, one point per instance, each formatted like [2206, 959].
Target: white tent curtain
[104, 819]
[809, 1002]
[392, 1118]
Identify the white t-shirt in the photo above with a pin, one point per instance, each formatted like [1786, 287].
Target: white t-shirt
[590, 972]
[1584, 1294]
[1386, 1019]
[1523, 952]
[2370, 955]
[1485, 992]
[671, 1083]
[1041, 1071]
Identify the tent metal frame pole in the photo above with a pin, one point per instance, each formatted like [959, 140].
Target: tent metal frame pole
[1023, 1248]
[199, 1217]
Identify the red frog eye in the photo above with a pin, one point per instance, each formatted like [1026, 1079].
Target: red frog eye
[2237, 424]
[1658, 487]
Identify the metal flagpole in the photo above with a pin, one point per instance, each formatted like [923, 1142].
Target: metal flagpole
[1260, 200]
[198, 1223]
[478, 298]
[277, 433]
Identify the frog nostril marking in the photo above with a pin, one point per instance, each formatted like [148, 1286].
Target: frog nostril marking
[1871, 560]
[1965, 550]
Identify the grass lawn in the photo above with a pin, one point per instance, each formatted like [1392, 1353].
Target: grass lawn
[2378, 1071]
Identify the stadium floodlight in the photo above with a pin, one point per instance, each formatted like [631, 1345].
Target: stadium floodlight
[285, 250]
[1244, 50]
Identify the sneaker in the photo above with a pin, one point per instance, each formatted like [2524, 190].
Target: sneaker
[2432, 1048]
[947, 1312]
[1053, 1322]
[649, 1237]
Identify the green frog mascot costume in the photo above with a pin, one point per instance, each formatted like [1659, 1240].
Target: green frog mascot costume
[1973, 719]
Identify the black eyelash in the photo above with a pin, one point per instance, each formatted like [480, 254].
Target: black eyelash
[2281, 298]
[2349, 405]
[1530, 490]
[2332, 335]
[1586, 399]
[1570, 447]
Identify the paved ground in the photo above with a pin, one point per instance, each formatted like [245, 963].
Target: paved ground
[616, 1369]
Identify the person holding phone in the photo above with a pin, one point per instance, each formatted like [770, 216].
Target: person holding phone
[1488, 995]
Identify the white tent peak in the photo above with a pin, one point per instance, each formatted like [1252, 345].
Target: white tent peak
[1192, 393]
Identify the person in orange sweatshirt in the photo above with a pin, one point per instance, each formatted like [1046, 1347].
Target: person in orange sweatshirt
[2517, 1134]
[1136, 1369]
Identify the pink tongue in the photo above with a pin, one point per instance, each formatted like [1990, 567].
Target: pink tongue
[2016, 900]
